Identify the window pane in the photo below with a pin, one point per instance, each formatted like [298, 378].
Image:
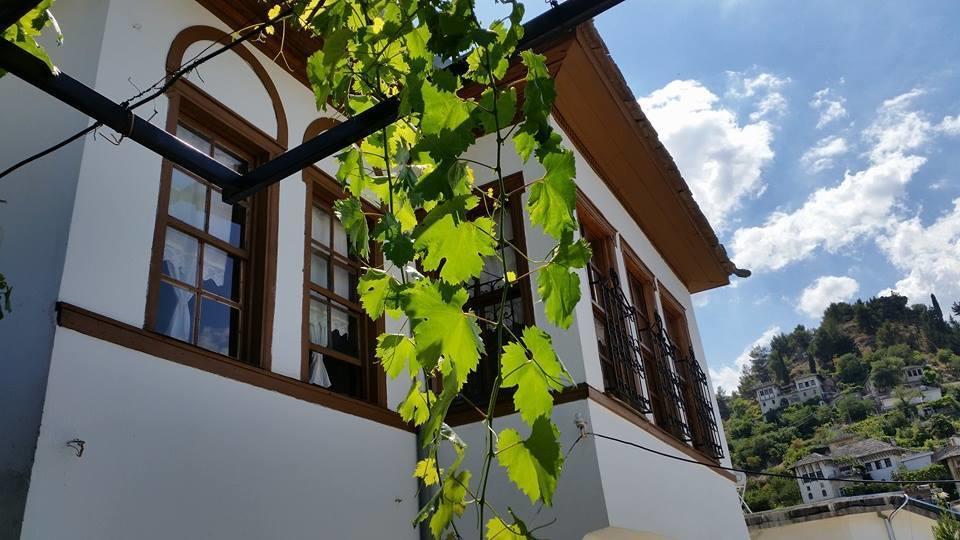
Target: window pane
[187, 199]
[221, 272]
[319, 269]
[219, 327]
[193, 138]
[344, 377]
[343, 331]
[319, 333]
[180, 256]
[174, 316]
[320, 226]
[229, 159]
[345, 283]
[340, 238]
[226, 220]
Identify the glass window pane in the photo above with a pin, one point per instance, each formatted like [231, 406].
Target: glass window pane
[193, 138]
[174, 316]
[180, 256]
[320, 226]
[226, 220]
[188, 199]
[344, 378]
[319, 311]
[219, 327]
[221, 272]
[344, 326]
[229, 159]
[345, 283]
[340, 238]
[319, 269]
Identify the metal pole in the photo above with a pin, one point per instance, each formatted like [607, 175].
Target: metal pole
[537, 32]
[118, 118]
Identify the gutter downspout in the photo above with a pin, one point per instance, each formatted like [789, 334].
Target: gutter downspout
[888, 520]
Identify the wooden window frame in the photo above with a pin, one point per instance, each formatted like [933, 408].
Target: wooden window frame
[678, 330]
[514, 185]
[320, 188]
[639, 276]
[602, 237]
[198, 110]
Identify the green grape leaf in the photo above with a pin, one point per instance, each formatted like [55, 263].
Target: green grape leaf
[350, 214]
[572, 254]
[447, 236]
[395, 352]
[415, 407]
[375, 288]
[447, 125]
[434, 425]
[506, 110]
[533, 464]
[351, 172]
[427, 471]
[554, 197]
[533, 375]
[452, 501]
[559, 288]
[497, 529]
[441, 328]
[397, 245]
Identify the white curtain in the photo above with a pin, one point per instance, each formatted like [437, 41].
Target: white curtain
[318, 335]
[318, 371]
[180, 258]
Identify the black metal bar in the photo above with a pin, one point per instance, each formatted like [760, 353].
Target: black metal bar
[113, 115]
[13, 11]
[536, 32]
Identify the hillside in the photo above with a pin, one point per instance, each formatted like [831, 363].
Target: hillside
[860, 350]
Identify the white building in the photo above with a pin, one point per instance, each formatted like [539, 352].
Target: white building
[771, 396]
[913, 390]
[261, 414]
[866, 517]
[867, 459]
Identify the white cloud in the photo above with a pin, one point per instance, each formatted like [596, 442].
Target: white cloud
[861, 206]
[829, 105]
[766, 87]
[930, 256]
[824, 291]
[721, 160]
[831, 218]
[729, 376]
[820, 157]
[950, 125]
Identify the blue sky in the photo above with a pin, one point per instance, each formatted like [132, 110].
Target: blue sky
[820, 138]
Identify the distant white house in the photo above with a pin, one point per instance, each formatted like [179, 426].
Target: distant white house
[771, 396]
[868, 459]
[914, 390]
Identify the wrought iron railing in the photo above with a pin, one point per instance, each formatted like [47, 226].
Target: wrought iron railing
[643, 367]
[621, 362]
[706, 436]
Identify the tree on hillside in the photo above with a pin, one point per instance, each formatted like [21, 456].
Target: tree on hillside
[829, 342]
[956, 308]
[852, 408]
[890, 333]
[852, 369]
[886, 372]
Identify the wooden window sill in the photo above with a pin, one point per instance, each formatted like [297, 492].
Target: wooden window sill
[160, 346]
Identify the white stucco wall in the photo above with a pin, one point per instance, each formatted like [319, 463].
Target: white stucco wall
[866, 526]
[645, 492]
[33, 238]
[175, 452]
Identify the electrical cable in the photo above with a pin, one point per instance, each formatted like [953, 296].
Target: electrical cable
[763, 473]
[156, 89]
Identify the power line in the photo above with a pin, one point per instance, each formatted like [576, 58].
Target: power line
[156, 89]
[764, 473]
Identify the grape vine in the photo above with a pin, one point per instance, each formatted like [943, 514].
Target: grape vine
[436, 219]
